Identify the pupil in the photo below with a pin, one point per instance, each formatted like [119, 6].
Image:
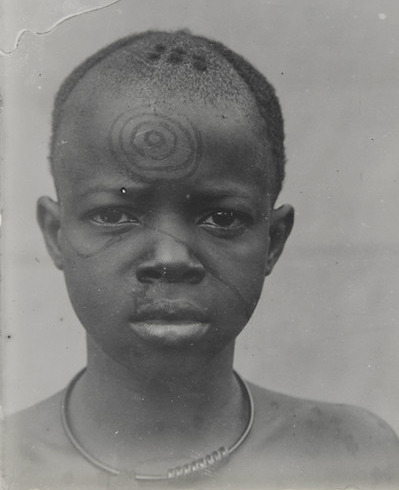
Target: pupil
[111, 216]
[223, 218]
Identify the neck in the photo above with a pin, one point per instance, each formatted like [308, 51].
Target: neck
[161, 374]
[176, 405]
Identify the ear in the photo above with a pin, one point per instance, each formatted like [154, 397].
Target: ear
[281, 223]
[48, 217]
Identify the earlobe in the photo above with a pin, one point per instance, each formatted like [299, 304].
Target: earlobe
[48, 217]
[281, 223]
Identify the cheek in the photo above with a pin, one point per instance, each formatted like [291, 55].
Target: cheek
[235, 293]
[92, 304]
[82, 242]
[240, 272]
[245, 281]
[100, 274]
[103, 288]
[97, 286]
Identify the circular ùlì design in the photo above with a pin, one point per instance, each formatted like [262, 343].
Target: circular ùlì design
[156, 146]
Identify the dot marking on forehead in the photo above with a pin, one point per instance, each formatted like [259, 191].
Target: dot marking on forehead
[156, 146]
[177, 55]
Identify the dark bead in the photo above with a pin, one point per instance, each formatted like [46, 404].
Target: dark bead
[200, 65]
[180, 51]
[199, 57]
[175, 58]
[154, 56]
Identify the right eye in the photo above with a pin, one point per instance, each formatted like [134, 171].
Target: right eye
[112, 217]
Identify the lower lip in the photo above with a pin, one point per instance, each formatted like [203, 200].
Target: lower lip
[170, 332]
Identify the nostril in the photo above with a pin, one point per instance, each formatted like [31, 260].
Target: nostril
[170, 260]
[173, 273]
[193, 276]
[150, 274]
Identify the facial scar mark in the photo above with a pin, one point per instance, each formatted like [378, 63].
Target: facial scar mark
[229, 286]
[107, 244]
[120, 237]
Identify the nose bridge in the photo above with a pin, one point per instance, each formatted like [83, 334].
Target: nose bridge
[171, 245]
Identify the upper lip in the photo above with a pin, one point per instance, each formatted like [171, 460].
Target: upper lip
[170, 311]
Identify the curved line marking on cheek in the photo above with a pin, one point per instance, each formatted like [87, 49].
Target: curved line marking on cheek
[119, 238]
[233, 289]
[102, 248]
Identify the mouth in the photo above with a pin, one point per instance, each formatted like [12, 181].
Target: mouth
[171, 312]
[170, 322]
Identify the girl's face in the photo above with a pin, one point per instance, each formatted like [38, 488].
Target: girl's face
[164, 224]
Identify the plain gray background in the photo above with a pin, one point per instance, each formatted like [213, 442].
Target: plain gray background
[327, 324]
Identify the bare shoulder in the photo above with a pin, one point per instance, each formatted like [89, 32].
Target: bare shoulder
[40, 422]
[343, 443]
[349, 426]
[36, 450]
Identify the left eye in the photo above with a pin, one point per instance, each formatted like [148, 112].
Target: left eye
[112, 216]
[225, 219]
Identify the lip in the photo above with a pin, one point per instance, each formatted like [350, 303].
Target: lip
[170, 312]
[170, 323]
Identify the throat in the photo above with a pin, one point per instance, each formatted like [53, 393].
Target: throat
[154, 433]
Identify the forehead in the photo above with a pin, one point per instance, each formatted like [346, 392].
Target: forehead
[151, 130]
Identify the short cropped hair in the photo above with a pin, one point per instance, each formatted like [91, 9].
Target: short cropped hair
[260, 88]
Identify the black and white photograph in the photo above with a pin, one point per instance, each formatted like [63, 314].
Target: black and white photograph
[200, 252]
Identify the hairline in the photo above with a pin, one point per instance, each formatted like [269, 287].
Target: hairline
[78, 74]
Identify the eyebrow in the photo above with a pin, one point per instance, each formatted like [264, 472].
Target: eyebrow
[113, 189]
[207, 190]
[222, 190]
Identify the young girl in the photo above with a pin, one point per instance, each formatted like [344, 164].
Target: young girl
[168, 155]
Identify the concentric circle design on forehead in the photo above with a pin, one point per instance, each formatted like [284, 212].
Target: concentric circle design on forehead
[156, 146]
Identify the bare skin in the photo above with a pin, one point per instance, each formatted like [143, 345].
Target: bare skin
[164, 243]
[165, 230]
[156, 146]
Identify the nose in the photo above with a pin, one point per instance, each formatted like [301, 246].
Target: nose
[171, 261]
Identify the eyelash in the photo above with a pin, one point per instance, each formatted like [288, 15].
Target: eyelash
[104, 211]
[239, 220]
